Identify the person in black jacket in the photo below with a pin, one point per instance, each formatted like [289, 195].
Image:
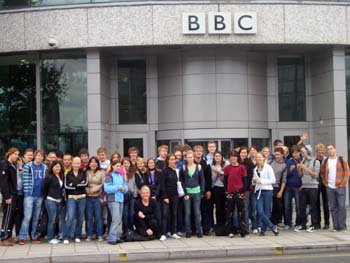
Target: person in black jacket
[145, 217]
[170, 197]
[8, 186]
[141, 173]
[52, 191]
[207, 204]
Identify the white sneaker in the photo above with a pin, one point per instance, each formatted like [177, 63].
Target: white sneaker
[54, 241]
[162, 238]
[255, 231]
[100, 239]
[168, 234]
[179, 234]
[88, 239]
[175, 236]
[311, 229]
[231, 235]
[66, 242]
[77, 240]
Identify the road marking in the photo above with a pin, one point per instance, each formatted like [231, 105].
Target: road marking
[279, 249]
[122, 255]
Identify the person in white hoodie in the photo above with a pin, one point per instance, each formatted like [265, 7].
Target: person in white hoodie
[263, 179]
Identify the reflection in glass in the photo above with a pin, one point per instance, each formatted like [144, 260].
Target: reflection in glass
[132, 92]
[133, 142]
[260, 143]
[291, 89]
[17, 105]
[64, 104]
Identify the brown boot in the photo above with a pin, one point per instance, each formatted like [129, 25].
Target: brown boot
[6, 243]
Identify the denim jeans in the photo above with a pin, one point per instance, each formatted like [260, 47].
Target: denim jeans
[75, 210]
[207, 209]
[94, 217]
[289, 194]
[263, 205]
[250, 211]
[128, 215]
[336, 199]
[53, 210]
[32, 208]
[195, 202]
[116, 210]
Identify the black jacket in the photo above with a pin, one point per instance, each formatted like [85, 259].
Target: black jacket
[75, 185]
[207, 175]
[169, 181]
[8, 179]
[51, 187]
[156, 185]
[249, 166]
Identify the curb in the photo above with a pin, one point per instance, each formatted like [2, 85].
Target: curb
[177, 254]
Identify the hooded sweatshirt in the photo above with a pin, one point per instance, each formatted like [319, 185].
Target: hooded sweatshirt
[311, 163]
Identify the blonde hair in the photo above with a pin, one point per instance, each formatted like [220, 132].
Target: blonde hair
[320, 146]
[165, 147]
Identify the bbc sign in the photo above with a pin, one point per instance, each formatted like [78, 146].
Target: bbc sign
[219, 23]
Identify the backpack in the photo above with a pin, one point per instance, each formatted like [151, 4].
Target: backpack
[341, 159]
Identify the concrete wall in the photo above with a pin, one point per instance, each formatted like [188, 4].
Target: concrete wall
[155, 24]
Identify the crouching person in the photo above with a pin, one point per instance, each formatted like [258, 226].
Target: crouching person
[145, 217]
[33, 177]
[115, 187]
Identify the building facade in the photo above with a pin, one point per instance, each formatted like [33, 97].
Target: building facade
[142, 73]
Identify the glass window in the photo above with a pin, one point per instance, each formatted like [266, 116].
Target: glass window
[291, 89]
[17, 104]
[289, 141]
[64, 104]
[132, 92]
[260, 143]
[133, 142]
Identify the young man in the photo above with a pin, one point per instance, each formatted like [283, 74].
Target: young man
[28, 155]
[133, 153]
[207, 204]
[211, 151]
[235, 183]
[292, 189]
[84, 157]
[322, 190]
[280, 169]
[162, 153]
[276, 144]
[335, 174]
[102, 157]
[308, 170]
[67, 163]
[33, 178]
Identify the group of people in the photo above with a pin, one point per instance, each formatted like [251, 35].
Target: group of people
[176, 195]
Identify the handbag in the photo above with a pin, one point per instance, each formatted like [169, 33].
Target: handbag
[180, 190]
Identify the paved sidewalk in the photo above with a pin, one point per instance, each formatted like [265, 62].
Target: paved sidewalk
[288, 242]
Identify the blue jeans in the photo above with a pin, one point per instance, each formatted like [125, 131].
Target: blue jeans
[94, 216]
[116, 210]
[289, 194]
[263, 205]
[75, 210]
[336, 200]
[128, 215]
[31, 211]
[53, 210]
[195, 202]
[250, 211]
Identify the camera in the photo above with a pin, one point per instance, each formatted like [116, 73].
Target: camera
[52, 42]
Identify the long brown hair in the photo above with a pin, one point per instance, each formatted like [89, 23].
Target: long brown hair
[132, 169]
[11, 151]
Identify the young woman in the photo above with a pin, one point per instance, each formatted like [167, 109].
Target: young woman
[153, 178]
[8, 187]
[115, 156]
[263, 180]
[192, 180]
[95, 178]
[249, 201]
[115, 187]
[129, 202]
[141, 173]
[170, 197]
[266, 153]
[52, 191]
[217, 172]
[145, 217]
[75, 183]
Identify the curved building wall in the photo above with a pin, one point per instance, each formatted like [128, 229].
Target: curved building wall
[213, 89]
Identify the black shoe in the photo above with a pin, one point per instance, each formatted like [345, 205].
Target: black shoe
[275, 231]
[199, 235]
[188, 235]
[262, 234]
[120, 241]
[326, 227]
[206, 233]
[243, 234]
[112, 242]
